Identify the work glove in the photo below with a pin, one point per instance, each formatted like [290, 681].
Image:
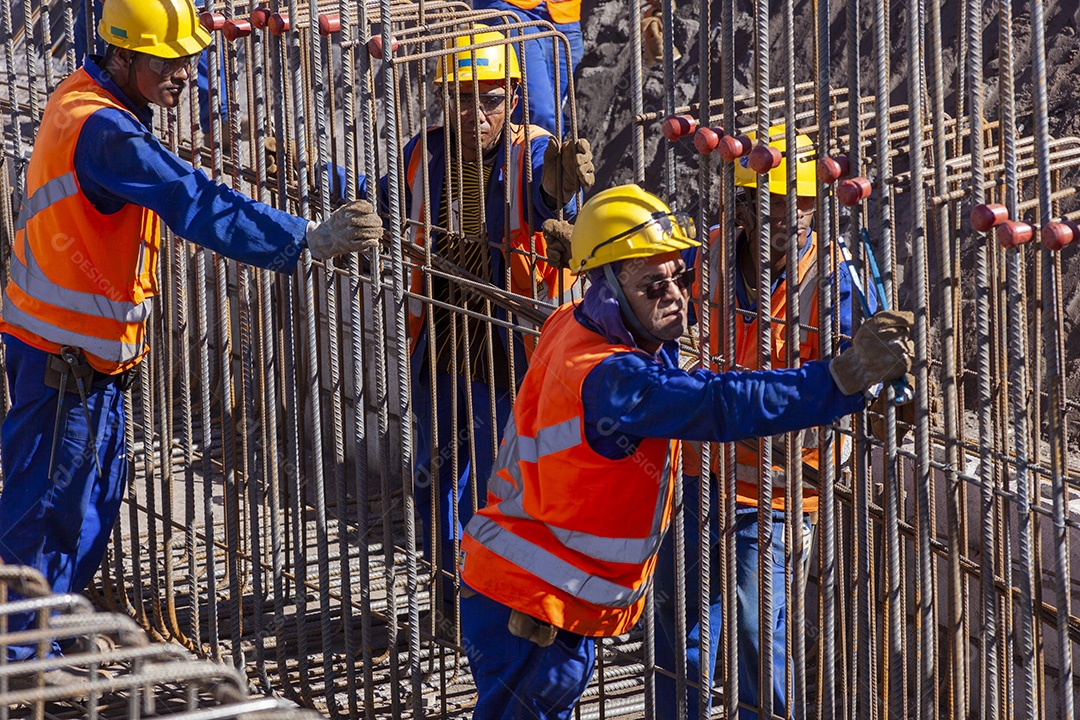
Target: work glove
[557, 234]
[572, 161]
[355, 227]
[881, 350]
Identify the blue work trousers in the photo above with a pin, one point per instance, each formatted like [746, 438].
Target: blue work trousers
[540, 61]
[439, 467]
[58, 523]
[747, 598]
[516, 679]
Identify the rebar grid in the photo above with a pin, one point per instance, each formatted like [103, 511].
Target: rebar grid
[273, 516]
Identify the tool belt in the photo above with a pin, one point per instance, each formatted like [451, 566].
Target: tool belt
[77, 368]
[529, 628]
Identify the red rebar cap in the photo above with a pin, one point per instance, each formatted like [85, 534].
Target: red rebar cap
[329, 24]
[375, 46]
[260, 17]
[853, 191]
[212, 21]
[1012, 234]
[763, 159]
[677, 127]
[236, 29]
[732, 147]
[278, 23]
[985, 217]
[1056, 235]
[707, 139]
[831, 169]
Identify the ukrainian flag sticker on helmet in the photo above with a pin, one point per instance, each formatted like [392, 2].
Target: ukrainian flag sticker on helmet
[119, 32]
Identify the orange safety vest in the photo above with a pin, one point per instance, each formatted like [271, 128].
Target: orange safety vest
[568, 536]
[523, 271]
[78, 277]
[561, 11]
[747, 356]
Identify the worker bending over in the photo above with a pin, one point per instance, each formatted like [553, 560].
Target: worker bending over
[83, 274]
[747, 356]
[581, 493]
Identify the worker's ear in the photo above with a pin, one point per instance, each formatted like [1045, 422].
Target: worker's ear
[516, 94]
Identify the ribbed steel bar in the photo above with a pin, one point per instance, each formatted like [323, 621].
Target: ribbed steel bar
[1053, 346]
[957, 668]
[989, 677]
[728, 662]
[826, 212]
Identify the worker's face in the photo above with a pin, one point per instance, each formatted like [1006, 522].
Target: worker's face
[161, 81]
[778, 235]
[481, 107]
[663, 314]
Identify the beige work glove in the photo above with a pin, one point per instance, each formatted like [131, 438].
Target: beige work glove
[355, 227]
[557, 234]
[571, 160]
[881, 350]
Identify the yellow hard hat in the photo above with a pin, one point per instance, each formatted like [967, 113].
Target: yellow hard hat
[805, 172]
[163, 28]
[627, 222]
[489, 61]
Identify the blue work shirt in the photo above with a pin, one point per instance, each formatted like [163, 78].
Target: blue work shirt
[633, 395]
[119, 161]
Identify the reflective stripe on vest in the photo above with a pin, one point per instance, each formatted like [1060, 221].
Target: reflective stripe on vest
[113, 351]
[33, 281]
[50, 193]
[552, 569]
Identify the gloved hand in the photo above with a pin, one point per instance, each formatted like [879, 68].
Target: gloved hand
[572, 161]
[905, 414]
[355, 227]
[881, 350]
[557, 234]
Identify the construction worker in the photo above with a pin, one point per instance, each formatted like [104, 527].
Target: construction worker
[747, 356]
[83, 274]
[581, 494]
[546, 101]
[463, 157]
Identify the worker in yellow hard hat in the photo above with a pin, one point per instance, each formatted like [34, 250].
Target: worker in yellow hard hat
[79, 11]
[747, 356]
[83, 274]
[490, 183]
[581, 495]
[547, 100]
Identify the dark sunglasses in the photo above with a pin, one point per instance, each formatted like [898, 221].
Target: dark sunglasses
[167, 67]
[488, 102]
[683, 281]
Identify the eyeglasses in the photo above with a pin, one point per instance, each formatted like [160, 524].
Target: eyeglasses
[668, 223]
[167, 67]
[490, 103]
[683, 281]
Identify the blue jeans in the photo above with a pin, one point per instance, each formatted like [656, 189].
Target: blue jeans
[540, 60]
[58, 524]
[517, 679]
[438, 468]
[747, 594]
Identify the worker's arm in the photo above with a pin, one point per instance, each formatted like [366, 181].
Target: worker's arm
[633, 396]
[118, 162]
